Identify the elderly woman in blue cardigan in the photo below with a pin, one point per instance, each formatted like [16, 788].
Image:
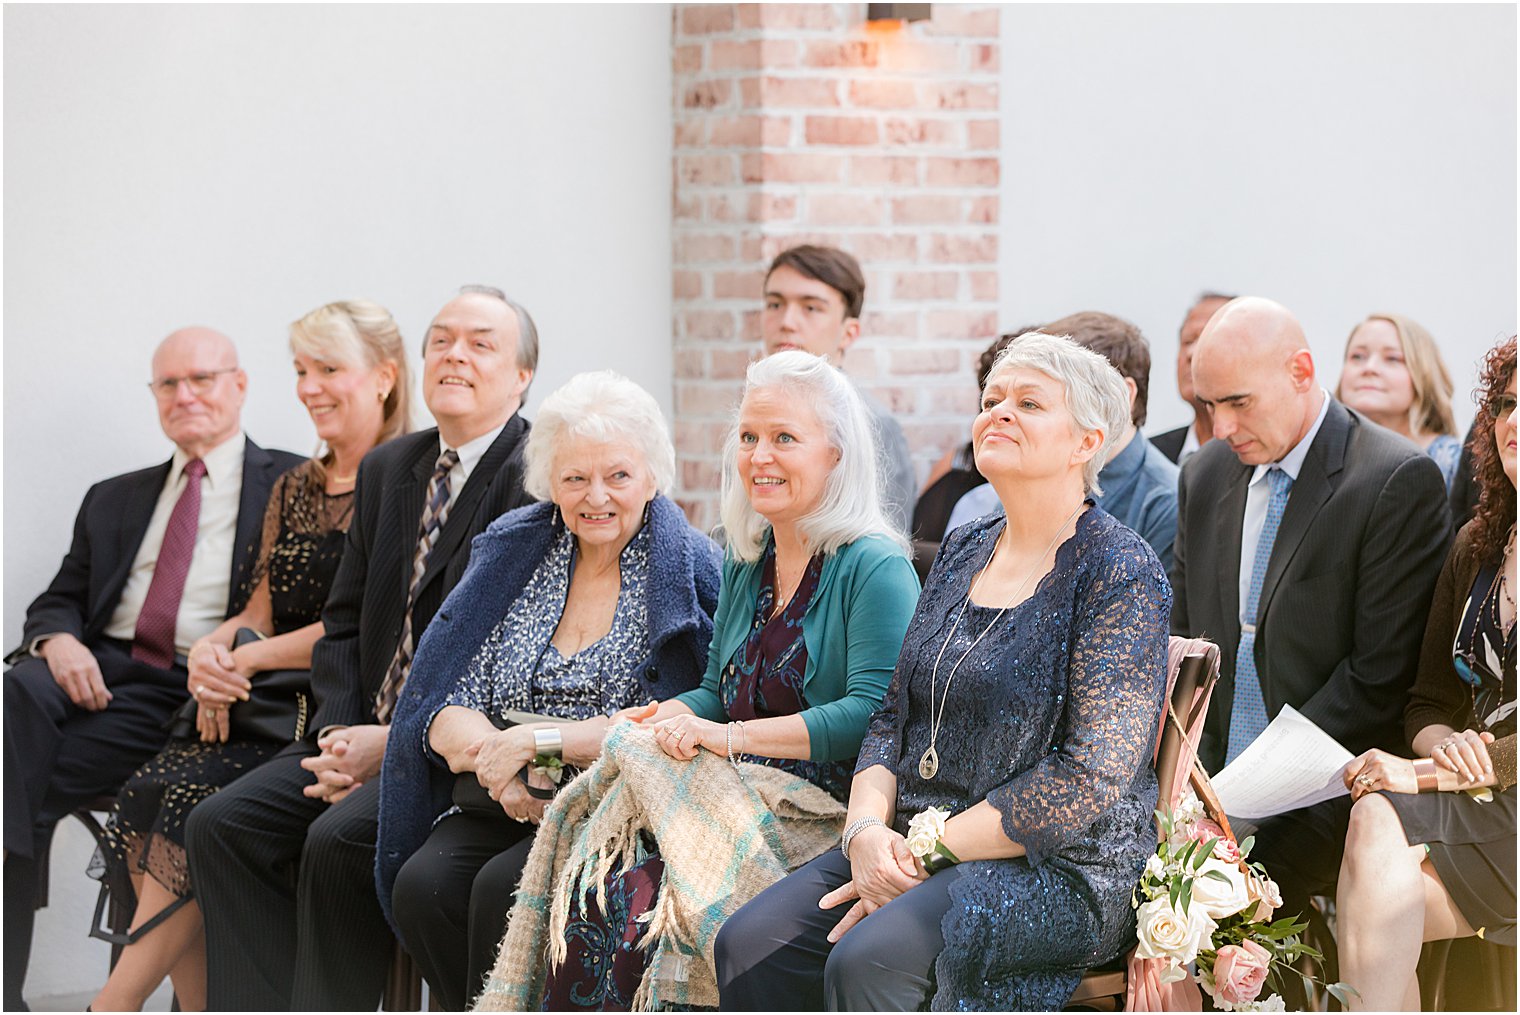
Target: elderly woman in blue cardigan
[817, 592]
[575, 609]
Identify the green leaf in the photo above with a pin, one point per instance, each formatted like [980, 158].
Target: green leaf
[1216, 875]
[1340, 989]
[1187, 895]
[1176, 890]
[1245, 847]
[1204, 854]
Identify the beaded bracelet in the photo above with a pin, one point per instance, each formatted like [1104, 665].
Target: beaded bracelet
[856, 827]
[730, 740]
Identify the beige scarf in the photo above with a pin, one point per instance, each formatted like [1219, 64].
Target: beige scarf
[724, 833]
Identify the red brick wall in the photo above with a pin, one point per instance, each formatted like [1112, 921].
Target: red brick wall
[798, 123]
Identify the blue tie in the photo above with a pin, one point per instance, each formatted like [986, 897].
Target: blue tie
[1248, 715]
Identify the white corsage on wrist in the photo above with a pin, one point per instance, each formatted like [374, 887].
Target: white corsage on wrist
[926, 829]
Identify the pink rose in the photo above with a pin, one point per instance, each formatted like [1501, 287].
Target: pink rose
[1226, 850]
[1265, 893]
[1239, 972]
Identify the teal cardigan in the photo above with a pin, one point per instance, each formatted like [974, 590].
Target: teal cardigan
[853, 631]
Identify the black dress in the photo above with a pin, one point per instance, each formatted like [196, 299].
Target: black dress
[1472, 844]
[304, 530]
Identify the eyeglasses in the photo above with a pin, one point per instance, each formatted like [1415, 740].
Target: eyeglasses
[1500, 406]
[200, 383]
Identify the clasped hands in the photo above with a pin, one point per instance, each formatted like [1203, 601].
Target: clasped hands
[219, 676]
[350, 757]
[496, 761]
[881, 869]
[1464, 752]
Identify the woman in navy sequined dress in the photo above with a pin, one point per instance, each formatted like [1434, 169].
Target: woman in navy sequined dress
[1024, 703]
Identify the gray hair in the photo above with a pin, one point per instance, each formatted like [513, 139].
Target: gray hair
[1095, 393]
[603, 406]
[851, 506]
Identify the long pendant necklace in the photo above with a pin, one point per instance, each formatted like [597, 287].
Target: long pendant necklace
[928, 762]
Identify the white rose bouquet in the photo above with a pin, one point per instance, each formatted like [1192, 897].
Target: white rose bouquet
[1202, 902]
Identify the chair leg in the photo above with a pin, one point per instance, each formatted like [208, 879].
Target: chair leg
[403, 985]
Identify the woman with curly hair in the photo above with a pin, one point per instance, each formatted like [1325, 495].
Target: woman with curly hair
[1431, 849]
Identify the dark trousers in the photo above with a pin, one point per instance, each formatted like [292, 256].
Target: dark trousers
[286, 886]
[59, 756]
[452, 897]
[774, 951]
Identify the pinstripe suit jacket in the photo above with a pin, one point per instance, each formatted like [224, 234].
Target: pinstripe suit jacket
[364, 610]
[1347, 589]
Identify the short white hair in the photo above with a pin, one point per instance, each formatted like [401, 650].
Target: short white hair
[600, 405]
[851, 506]
[1096, 395]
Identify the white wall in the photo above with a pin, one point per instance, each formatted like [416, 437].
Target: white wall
[238, 166]
[1339, 159]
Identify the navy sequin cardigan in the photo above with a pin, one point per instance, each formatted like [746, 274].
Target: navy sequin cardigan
[683, 592]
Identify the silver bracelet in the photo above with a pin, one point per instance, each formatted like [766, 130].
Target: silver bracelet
[730, 740]
[856, 827]
[548, 740]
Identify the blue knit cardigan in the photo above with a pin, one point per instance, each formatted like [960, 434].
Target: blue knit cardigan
[683, 593]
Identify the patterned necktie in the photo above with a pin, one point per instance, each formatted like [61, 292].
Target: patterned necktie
[1248, 715]
[434, 514]
[153, 639]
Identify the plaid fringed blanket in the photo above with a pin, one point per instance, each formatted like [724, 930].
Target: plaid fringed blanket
[725, 835]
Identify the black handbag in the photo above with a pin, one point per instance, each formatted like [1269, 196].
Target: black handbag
[278, 706]
[469, 795]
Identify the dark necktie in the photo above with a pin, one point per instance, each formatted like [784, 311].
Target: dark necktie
[434, 513]
[153, 639]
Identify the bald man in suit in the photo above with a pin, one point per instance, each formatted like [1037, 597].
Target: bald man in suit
[1337, 528]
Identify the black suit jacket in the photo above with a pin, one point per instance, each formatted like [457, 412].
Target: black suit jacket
[364, 611]
[1347, 588]
[108, 531]
[1170, 443]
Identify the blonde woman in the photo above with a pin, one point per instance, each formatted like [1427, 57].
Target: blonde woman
[352, 378]
[1393, 375]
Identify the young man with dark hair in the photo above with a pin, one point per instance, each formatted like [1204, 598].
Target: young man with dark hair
[813, 300]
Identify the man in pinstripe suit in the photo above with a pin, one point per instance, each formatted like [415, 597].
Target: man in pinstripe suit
[1342, 585]
[283, 859]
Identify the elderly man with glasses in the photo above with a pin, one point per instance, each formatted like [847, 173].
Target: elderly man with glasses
[159, 558]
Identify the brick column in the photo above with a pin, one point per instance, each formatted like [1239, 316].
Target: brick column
[799, 123]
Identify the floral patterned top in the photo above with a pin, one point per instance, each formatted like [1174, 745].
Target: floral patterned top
[518, 669]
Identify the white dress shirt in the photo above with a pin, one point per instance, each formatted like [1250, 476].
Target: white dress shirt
[470, 453]
[203, 604]
[1259, 494]
[1189, 444]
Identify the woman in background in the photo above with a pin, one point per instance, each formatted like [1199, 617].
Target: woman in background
[1394, 376]
[351, 376]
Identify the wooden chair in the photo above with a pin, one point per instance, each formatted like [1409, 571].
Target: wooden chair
[1189, 686]
[403, 984]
